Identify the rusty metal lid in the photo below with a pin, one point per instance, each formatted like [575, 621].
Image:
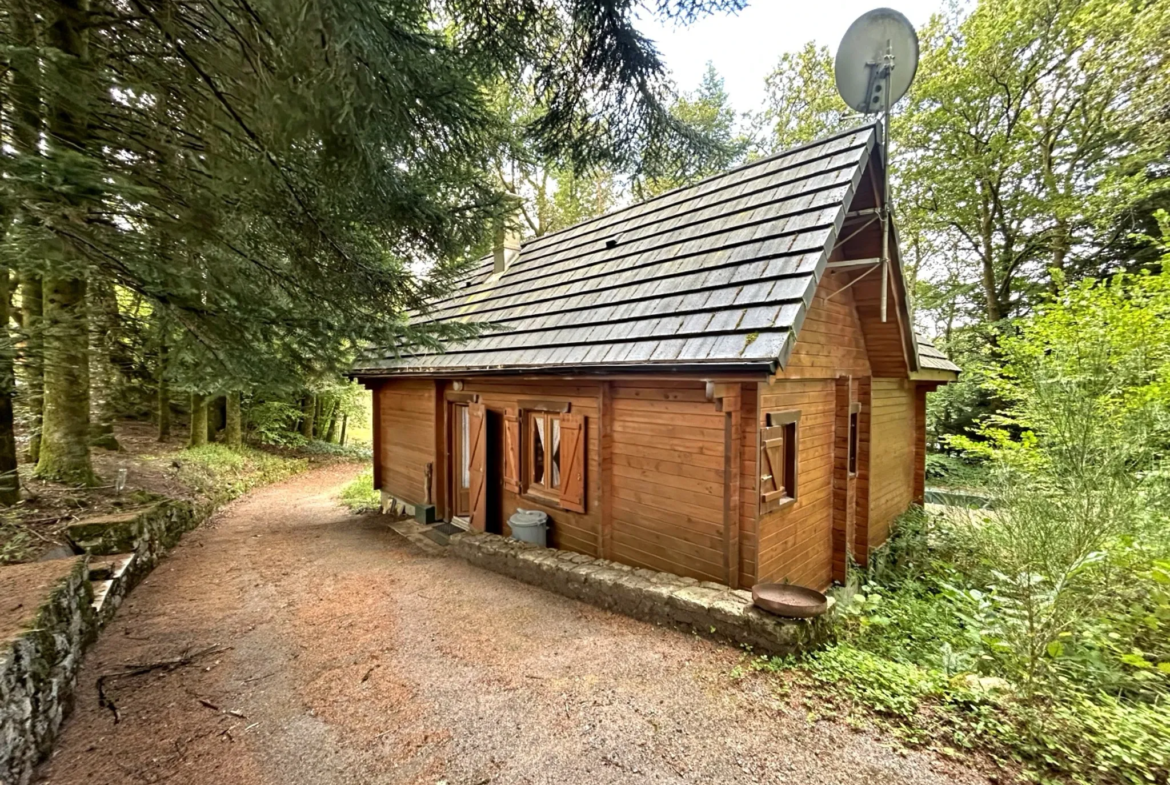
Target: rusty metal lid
[785, 599]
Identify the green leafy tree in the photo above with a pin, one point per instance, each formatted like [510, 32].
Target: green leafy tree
[801, 102]
[1030, 130]
[708, 111]
[1078, 452]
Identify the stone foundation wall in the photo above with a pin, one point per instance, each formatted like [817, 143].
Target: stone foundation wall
[709, 609]
[39, 664]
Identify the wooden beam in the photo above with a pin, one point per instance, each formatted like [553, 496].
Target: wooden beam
[853, 263]
[732, 464]
[377, 426]
[439, 486]
[605, 464]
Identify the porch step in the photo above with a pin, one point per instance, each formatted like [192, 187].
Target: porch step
[441, 532]
[417, 533]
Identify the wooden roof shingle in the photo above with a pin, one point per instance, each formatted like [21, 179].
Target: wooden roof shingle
[716, 274]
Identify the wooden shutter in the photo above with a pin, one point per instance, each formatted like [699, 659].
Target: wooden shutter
[573, 462]
[512, 445]
[771, 468]
[477, 492]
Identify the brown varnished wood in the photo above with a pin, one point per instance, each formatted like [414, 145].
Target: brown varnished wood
[891, 485]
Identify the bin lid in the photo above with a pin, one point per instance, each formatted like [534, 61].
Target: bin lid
[528, 518]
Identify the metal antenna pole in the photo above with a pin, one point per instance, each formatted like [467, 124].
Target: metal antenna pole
[888, 68]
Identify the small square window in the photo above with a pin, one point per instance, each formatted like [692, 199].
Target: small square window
[544, 452]
[779, 450]
[854, 416]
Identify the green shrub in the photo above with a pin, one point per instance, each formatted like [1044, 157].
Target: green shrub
[222, 473]
[274, 422]
[950, 471]
[351, 452]
[360, 495]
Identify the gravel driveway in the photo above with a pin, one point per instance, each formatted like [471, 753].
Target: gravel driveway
[349, 656]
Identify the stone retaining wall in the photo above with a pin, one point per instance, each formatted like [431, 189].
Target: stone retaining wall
[709, 609]
[39, 660]
[38, 669]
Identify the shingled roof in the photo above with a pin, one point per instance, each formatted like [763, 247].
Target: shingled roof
[716, 275]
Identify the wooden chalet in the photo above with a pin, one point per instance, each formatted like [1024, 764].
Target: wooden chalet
[701, 383]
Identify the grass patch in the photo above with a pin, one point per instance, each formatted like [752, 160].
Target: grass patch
[349, 452]
[922, 652]
[359, 493]
[220, 473]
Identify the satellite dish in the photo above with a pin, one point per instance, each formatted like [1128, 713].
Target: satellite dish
[876, 61]
[875, 65]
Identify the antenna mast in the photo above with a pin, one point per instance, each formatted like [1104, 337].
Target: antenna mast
[868, 81]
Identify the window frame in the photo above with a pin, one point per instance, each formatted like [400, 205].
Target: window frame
[548, 494]
[788, 421]
[853, 439]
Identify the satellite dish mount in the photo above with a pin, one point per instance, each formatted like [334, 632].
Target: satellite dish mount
[869, 80]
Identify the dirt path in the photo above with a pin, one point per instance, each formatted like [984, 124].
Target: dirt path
[354, 658]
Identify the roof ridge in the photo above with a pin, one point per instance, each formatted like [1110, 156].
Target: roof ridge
[758, 162]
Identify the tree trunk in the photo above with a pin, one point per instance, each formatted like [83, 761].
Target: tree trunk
[164, 393]
[331, 432]
[26, 133]
[65, 434]
[308, 413]
[32, 303]
[216, 416]
[9, 479]
[103, 376]
[198, 434]
[990, 295]
[344, 423]
[233, 435]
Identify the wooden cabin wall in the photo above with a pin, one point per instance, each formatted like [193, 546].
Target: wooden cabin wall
[891, 471]
[569, 530]
[749, 485]
[795, 543]
[668, 473]
[404, 435]
[830, 342]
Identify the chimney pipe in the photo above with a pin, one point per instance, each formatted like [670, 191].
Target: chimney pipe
[505, 246]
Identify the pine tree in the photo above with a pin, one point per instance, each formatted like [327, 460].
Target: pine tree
[233, 435]
[197, 434]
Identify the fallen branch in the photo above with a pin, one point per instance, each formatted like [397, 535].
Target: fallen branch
[184, 659]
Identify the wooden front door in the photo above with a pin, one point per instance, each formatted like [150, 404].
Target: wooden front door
[460, 452]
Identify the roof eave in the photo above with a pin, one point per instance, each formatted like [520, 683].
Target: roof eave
[761, 367]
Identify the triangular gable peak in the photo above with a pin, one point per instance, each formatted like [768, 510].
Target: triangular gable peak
[844, 327]
[718, 276]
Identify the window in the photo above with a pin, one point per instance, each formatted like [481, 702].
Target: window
[854, 415]
[544, 452]
[779, 448]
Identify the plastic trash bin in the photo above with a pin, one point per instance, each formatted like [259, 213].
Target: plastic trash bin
[530, 526]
